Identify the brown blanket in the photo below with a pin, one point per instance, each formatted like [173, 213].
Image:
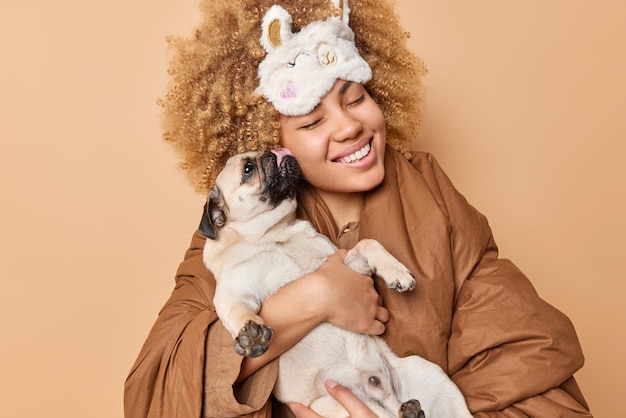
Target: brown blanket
[475, 315]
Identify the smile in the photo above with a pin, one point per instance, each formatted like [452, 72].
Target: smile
[357, 155]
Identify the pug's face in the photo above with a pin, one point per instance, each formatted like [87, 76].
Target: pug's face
[250, 184]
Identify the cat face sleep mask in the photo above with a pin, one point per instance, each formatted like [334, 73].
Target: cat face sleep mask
[300, 68]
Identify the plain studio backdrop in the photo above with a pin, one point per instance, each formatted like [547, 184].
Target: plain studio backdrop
[525, 109]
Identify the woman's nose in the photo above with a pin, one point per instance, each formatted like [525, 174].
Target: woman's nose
[347, 126]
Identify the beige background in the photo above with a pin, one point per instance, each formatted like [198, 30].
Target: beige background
[525, 110]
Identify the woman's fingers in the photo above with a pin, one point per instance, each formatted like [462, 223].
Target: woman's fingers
[351, 403]
[383, 313]
[341, 394]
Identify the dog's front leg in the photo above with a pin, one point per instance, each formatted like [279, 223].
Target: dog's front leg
[370, 257]
[238, 314]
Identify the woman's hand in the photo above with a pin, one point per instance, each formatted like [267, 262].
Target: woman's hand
[341, 394]
[348, 299]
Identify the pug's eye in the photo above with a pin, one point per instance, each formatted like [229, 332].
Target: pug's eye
[248, 170]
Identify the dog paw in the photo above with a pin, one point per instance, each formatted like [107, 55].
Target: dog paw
[253, 339]
[401, 281]
[411, 409]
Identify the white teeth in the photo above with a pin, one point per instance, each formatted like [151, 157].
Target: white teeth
[357, 155]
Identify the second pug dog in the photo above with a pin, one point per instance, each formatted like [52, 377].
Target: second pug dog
[256, 245]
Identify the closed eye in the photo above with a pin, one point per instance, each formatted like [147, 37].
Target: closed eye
[292, 63]
[357, 101]
[311, 125]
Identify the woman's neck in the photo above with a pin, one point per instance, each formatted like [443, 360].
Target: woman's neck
[344, 207]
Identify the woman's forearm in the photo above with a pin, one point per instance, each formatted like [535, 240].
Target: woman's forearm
[292, 315]
[333, 293]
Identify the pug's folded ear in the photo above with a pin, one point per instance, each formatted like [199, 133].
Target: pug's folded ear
[213, 214]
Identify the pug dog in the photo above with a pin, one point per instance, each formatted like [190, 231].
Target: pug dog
[255, 245]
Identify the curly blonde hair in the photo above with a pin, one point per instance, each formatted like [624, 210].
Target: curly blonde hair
[211, 111]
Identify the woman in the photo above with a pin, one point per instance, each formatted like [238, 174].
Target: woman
[348, 112]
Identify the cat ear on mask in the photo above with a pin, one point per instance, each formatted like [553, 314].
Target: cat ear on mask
[300, 68]
[276, 28]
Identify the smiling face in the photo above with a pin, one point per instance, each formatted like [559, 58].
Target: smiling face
[340, 145]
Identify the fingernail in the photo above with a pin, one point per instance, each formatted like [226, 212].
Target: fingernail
[331, 383]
